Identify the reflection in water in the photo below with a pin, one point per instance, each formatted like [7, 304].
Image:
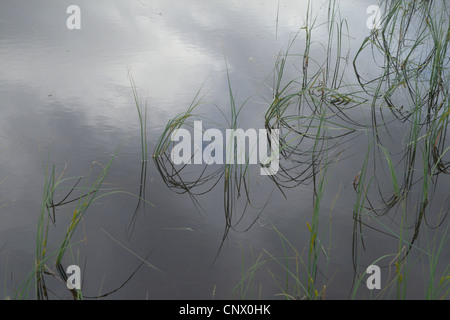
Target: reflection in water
[413, 82]
[370, 122]
[142, 113]
[313, 115]
[42, 290]
[141, 198]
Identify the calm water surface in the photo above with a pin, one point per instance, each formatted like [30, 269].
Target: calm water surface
[66, 100]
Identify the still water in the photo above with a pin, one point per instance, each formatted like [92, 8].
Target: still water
[67, 101]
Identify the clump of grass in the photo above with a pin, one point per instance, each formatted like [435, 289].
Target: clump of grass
[301, 280]
[84, 203]
[142, 114]
[45, 254]
[410, 50]
[437, 286]
[42, 254]
[174, 124]
[312, 114]
[234, 174]
[298, 278]
[317, 99]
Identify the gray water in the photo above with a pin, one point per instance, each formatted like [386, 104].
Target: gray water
[66, 96]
